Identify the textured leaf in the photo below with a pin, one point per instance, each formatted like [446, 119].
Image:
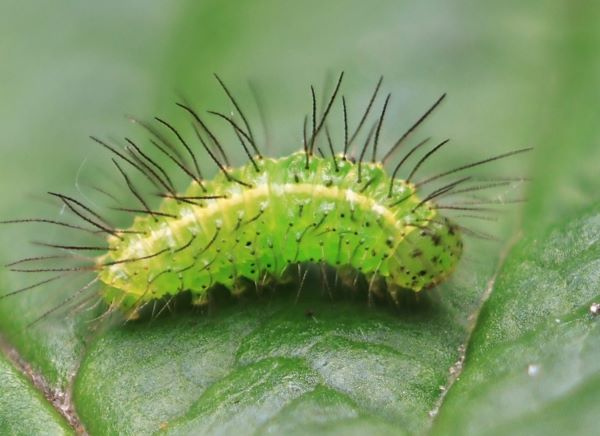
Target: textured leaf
[534, 360]
[244, 367]
[23, 410]
[518, 73]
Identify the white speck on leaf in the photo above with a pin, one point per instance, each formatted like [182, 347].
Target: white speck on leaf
[533, 369]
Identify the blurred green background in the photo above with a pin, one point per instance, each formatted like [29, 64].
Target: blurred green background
[517, 74]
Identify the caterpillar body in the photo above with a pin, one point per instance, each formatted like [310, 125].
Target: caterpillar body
[287, 214]
[252, 222]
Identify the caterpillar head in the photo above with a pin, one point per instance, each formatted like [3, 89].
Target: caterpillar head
[427, 256]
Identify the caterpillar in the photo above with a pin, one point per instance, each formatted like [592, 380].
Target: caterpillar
[253, 222]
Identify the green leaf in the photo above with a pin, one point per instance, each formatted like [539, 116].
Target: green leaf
[533, 364]
[23, 410]
[249, 365]
[518, 73]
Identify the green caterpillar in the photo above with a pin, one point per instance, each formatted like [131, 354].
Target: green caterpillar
[287, 214]
[252, 222]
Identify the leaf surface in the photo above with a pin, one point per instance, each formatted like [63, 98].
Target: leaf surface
[517, 73]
